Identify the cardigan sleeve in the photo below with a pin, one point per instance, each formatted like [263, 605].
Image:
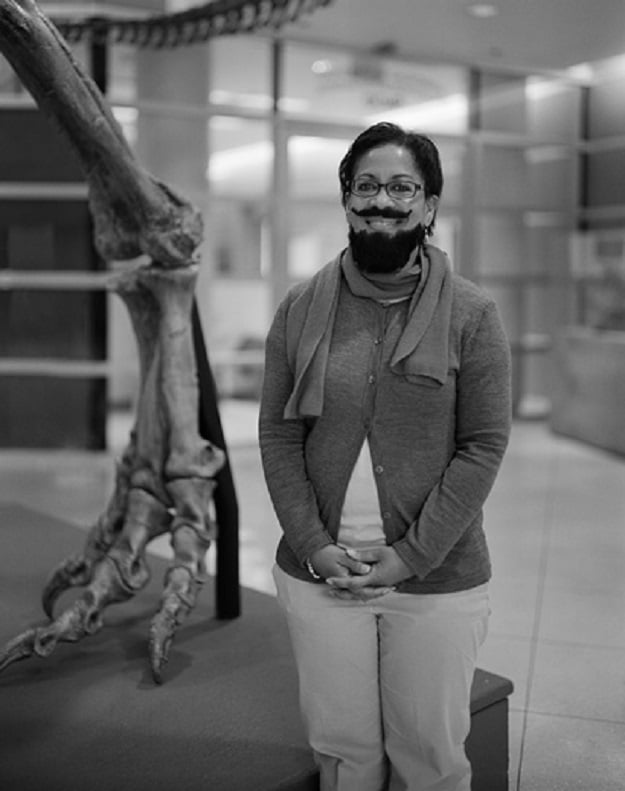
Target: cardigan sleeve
[483, 422]
[282, 450]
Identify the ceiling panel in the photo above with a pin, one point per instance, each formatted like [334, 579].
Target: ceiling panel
[524, 34]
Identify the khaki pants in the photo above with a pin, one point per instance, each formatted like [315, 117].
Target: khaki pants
[385, 685]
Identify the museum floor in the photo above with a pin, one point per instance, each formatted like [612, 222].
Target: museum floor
[556, 526]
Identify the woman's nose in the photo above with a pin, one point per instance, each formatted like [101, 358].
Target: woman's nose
[383, 199]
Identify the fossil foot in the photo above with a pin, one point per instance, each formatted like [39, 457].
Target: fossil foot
[41, 640]
[178, 600]
[82, 618]
[73, 572]
[20, 647]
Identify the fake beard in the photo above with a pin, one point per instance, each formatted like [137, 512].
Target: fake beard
[376, 252]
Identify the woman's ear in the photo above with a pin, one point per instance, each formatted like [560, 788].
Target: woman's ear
[431, 206]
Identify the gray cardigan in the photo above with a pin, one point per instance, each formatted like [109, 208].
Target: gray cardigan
[436, 449]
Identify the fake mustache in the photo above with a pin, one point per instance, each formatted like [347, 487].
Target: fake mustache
[388, 214]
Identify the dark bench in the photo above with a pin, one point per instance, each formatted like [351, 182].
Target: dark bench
[487, 745]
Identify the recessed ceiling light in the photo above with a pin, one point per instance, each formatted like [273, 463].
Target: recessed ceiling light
[482, 10]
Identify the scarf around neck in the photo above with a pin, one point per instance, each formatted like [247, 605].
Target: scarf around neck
[422, 349]
[383, 287]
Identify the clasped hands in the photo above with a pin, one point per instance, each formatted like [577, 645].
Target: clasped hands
[361, 574]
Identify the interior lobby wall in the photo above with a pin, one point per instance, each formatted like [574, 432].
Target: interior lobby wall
[214, 119]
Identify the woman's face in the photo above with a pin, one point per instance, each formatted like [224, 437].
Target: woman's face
[393, 165]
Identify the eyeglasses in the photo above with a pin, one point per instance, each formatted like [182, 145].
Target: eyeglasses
[366, 187]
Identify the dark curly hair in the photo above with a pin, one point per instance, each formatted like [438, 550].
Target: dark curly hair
[424, 153]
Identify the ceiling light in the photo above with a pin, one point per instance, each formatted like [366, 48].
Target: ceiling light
[322, 67]
[482, 10]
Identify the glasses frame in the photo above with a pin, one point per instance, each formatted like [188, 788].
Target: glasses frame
[385, 185]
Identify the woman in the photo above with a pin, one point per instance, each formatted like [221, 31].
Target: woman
[384, 418]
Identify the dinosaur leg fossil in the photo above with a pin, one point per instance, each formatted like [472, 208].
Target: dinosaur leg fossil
[113, 565]
[165, 480]
[76, 571]
[191, 463]
[115, 578]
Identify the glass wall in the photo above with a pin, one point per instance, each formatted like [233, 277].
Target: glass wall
[510, 151]
[238, 215]
[599, 248]
[278, 116]
[273, 118]
[525, 149]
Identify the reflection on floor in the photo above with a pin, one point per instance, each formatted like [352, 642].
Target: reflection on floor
[556, 526]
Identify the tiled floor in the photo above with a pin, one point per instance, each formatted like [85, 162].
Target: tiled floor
[556, 525]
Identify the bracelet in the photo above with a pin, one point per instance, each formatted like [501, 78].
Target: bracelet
[311, 570]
